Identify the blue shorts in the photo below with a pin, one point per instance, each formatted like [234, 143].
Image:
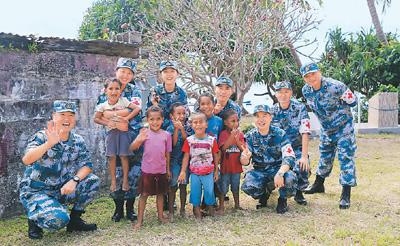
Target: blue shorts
[175, 171]
[198, 184]
[232, 179]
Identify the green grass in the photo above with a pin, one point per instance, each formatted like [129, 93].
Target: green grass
[373, 219]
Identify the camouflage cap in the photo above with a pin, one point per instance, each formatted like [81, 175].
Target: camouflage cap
[262, 108]
[282, 84]
[168, 64]
[224, 80]
[64, 106]
[308, 68]
[127, 63]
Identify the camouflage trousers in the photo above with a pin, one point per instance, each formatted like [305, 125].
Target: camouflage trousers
[135, 162]
[344, 142]
[302, 176]
[47, 207]
[258, 182]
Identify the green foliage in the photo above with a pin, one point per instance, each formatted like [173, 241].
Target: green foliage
[388, 88]
[361, 60]
[107, 16]
[279, 66]
[33, 47]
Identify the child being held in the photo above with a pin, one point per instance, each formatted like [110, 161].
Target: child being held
[117, 141]
[202, 150]
[231, 142]
[155, 163]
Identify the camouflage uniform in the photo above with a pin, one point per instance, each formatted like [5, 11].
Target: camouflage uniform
[269, 152]
[134, 95]
[294, 121]
[40, 187]
[166, 100]
[331, 104]
[230, 105]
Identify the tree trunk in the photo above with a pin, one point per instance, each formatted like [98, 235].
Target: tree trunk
[375, 20]
[239, 99]
[294, 54]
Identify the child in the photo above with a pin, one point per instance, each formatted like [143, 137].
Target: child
[177, 130]
[155, 163]
[167, 93]
[117, 141]
[202, 150]
[231, 142]
[206, 106]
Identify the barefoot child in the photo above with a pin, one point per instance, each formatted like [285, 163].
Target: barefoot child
[202, 150]
[155, 163]
[179, 134]
[231, 142]
[117, 141]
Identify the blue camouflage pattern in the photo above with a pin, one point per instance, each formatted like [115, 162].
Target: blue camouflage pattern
[269, 152]
[224, 80]
[230, 105]
[168, 64]
[294, 121]
[331, 104]
[282, 85]
[166, 100]
[40, 186]
[308, 68]
[127, 63]
[64, 106]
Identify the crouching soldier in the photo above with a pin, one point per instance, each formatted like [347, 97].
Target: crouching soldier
[291, 116]
[273, 160]
[58, 172]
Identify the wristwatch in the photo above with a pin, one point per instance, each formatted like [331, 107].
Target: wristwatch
[76, 179]
[280, 174]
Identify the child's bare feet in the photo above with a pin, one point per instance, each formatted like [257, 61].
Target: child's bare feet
[163, 220]
[182, 213]
[171, 217]
[113, 186]
[239, 208]
[219, 212]
[137, 226]
[125, 185]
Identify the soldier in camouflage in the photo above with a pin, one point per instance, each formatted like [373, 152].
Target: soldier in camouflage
[58, 172]
[291, 116]
[223, 93]
[331, 101]
[273, 159]
[125, 72]
[167, 93]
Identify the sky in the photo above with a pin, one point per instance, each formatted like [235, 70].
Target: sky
[62, 18]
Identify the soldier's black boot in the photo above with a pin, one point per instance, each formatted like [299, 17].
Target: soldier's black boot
[34, 231]
[299, 198]
[282, 207]
[317, 187]
[345, 197]
[77, 224]
[119, 210]
[262, 202]
[130, 212]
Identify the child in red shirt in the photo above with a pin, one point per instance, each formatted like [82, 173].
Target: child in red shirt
[231, 142]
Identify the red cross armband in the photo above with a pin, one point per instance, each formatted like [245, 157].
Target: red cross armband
[348, 97]
[137, 101]
[287, 151]
[305, 126]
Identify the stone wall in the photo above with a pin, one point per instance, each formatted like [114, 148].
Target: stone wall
[29, 83]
